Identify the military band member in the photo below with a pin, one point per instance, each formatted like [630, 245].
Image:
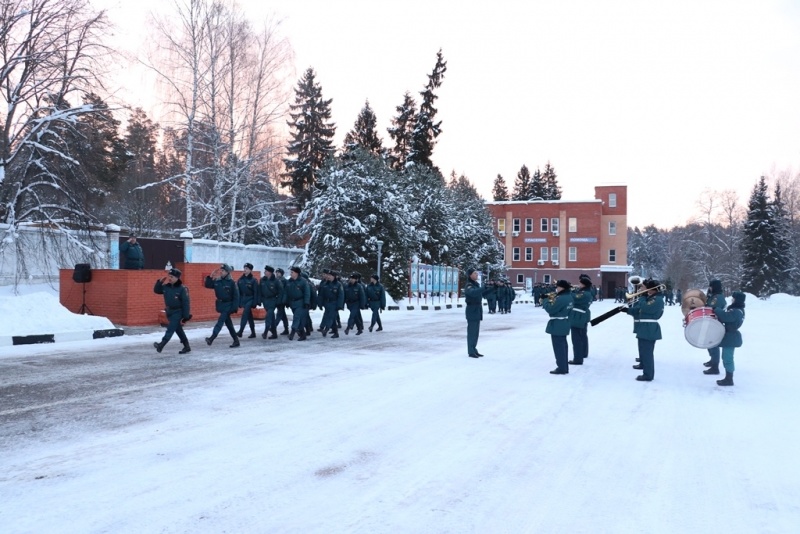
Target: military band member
[732, 318]
[579, 317]
[714, 299]
[557, 306]
[646, 312]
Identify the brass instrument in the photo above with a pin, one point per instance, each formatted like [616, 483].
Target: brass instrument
[547, 296]
[657, 289]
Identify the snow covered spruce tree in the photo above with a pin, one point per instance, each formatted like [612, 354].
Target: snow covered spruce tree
[522, 184]
[499, 189]
[538, 190]
[364, 134]
[401, 132]
[764, 263]
[552, 191]
[359, 202]
[427, 129]
[311, 142]
[471, 237]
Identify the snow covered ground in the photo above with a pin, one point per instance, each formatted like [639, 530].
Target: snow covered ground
[399, 431]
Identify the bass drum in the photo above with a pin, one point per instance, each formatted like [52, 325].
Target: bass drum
[702, 329]
[693, 298]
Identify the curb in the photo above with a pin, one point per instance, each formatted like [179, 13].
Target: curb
[82, 335]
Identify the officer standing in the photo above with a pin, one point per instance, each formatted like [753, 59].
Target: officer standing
[176, 305]
[473, 297]
[248, 299]
[227, 294]
[134, 255]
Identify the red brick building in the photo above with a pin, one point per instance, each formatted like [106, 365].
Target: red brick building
[547, 240]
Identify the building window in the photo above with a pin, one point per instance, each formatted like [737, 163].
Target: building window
[516, 253]
[544, 252]
[573, 224]
[612, 200]
[529, 225]
[554, 225]
[612, 256]
[520, 278]
[528, 253]
[544, 225]
[554, 254]
[546, 279]
[516, 225]
[501, 225]
[612, 227]
[573, 253]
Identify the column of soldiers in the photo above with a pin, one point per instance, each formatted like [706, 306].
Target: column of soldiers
[276, 294]
[499, 295]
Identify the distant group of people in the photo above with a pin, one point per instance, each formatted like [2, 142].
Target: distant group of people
[499, 295]
[276, 294]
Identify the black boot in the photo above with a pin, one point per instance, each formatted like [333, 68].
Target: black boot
[727, 381]
[274, 333]
[239, 333]
[347, 331]
[285, 332]
[251, 336]
[324, 332]
[712, 370]
[359, 332]
[301, 336]
[708, 363]
[210, 340]
[370, 327]
[291, 335]
[185, 349]
[235, 343]
[159, 346]
[264, 335]
[335, 334]
[380, 329]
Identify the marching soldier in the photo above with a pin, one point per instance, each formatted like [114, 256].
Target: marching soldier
[557, 307]
[354, 299]
[280, 311]
[176, 305]
[331, 296]
[579, 317]
[491, 294]
[227, 294]
[309, 325]
[270, 291]
[646, 312]
[248, 299]
[376, 297]
[298, 297]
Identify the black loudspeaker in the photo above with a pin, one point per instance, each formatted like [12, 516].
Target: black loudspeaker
[82, 273]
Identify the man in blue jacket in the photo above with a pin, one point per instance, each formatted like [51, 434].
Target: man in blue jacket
[646, 312]
[227, 302]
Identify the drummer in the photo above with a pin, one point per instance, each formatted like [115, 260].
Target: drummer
[732, 318]
[714, 299]
[646, 312]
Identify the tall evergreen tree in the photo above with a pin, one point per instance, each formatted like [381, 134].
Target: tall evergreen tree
[311, 138]
[538, 191]
[364, 133]
[401, 132]
[551, 189]
[522, 185]
[759, 245]
[500, 190]
[785, 266]
[427, 129]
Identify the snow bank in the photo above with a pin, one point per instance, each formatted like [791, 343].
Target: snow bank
[42, 313]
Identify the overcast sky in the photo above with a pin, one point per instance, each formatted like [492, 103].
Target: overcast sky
[671, 98]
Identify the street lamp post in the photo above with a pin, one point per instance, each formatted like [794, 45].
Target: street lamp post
[380, 246]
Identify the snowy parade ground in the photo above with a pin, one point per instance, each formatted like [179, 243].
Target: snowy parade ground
[400, 432]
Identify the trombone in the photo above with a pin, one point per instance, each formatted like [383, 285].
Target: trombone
[636, 295]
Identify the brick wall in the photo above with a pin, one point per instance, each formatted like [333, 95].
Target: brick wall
[127, 298]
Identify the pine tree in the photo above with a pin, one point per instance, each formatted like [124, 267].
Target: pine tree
[522, 185]
[538, 190]
[364, 133]
[500, 191]
[311, 138]
[551, 189]
[426, 129]
[784, 266]
[401, 132]
[759, 245]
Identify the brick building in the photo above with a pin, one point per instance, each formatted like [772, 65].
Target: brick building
[547, 240]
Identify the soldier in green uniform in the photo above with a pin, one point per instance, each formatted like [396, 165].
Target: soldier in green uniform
[646, 312]
[579, 317]
[248, 299]
[558, 307]
[355, 300]
[270, 293]
[331, 296]
[176, 305]
[732, 318]
[298, 297]
[134, 255]
[491, 295]
[714, 299]
[473, 298]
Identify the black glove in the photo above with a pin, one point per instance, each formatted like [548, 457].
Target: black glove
[187, 318]
[382, 310]
[305, 306]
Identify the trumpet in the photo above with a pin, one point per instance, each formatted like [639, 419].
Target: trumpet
[657, 289]
[547, 296]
